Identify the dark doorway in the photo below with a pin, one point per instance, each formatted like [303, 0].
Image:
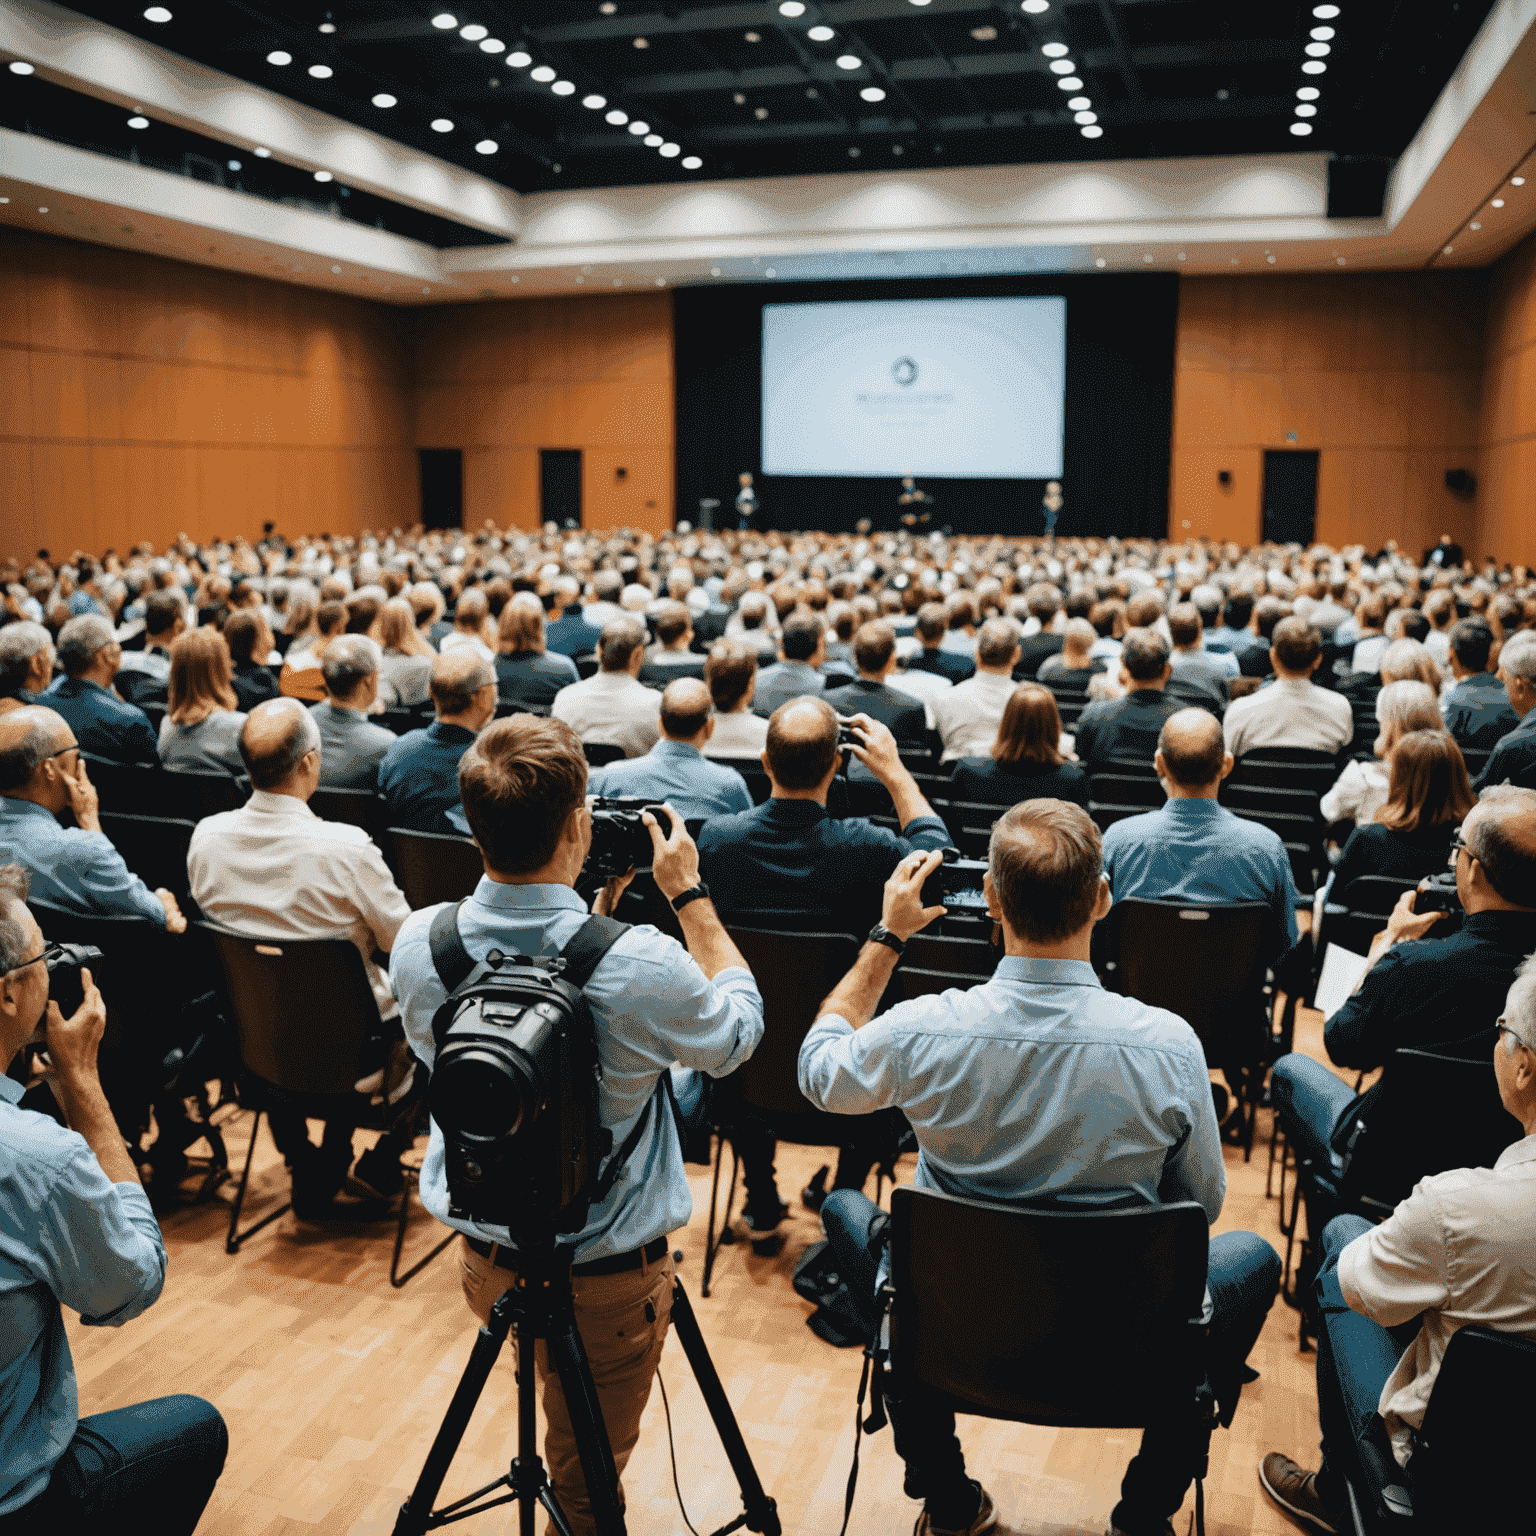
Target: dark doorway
[442, 487]
[560, 486]
[1290, 495]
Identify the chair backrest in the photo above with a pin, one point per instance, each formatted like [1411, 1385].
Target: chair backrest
[969, 824]
[794, 973]
[1297, 768]
[433, 866]
[1023, 1312]
[183, 794]
[966, 958]
[1376, 895]
[912, 981]
[1204, 963]
[400, 719]
[586, 666]
[1476, 759]
[303, 1008]
[751, 769]
[153, 847]
[600, 753]
[355, 807]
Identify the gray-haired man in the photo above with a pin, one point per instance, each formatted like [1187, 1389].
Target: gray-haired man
[103, 724]
[351, 746]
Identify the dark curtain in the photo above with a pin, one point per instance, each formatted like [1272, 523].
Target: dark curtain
[1119, 410]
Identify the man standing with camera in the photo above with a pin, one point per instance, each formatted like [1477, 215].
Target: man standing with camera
[523, 787]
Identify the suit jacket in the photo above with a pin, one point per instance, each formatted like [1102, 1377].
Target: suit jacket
[1035, 649]
[667, 666]
[948, 664]
[1478, 712]
[906, 717]
[103, 724]
[351, 747]
[253, 685]
[419, 777]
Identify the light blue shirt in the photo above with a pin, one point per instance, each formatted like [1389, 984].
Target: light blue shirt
[679, 774]
[77, 871]
[1197, 851]
[651, 1006]
[1035, 1084]
[69, 1237]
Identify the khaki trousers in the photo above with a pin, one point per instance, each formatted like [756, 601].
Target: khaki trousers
[623, 1348]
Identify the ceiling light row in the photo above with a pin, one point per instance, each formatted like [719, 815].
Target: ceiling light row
[1068, 80]
[1319, 46]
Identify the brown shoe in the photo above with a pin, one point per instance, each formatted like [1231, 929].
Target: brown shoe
[1294, 1489]
[986, 1520]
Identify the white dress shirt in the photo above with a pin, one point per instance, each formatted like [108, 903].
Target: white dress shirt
[1360, 791]
[1289, 712]
[275, 870]
[738, 735]
[1458, 1249]
[968, 715]
[611, 709]
[458, 640]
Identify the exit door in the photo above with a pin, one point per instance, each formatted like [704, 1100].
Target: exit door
[560, 487]
[442, 487]
[1290, 495]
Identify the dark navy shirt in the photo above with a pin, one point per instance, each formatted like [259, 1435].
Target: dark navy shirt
[1513, 759]
[530, 678]
[103, 724]
[1478, 712]
[1127, 727]
[901, 712]
[571, 635]
[950, 664]
[419, 777]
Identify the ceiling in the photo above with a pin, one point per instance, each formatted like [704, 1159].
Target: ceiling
[755, 89]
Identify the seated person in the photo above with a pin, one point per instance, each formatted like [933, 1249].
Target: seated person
[1026, 761]
[419, 774]
[1456, 1251]
[932, 624]
[731, 674]
[351, 746]
[1370, 633]
[76, 1230]
[73, 868]
[613, 707]
[751, 625]
[1477, 709]
[1361, 790]
[1072, 666]
[802, 652]
[201, 729]
[1292, 711]
[26, 664]
[275, 870]
[1514, 755]
[301, 677]
[408, 655]
[1267, 613]
[871, 693]
[103, 724]
[143, 676]
[471, 625]
[671, 656]
[569, 633]
[675, 770]
[1041, 639]
[842, 619]
[1421, 991]
[1015, 1089]
[250, 642]
[1234, 633]
[967, 717]
[1402, 661]
[527, 674]
[1409, 837]
[1127, 728]
[1190, 660]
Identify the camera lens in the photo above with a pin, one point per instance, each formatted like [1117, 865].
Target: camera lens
[479, 1094]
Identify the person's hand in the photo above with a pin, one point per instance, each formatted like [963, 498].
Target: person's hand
[901, 908]
[879, 753]
[175, 920]
[1405, 924]
[675, 859]
[608, 898]
[72, 1042]
[83, 799]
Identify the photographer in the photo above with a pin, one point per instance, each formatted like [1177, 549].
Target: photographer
[523, 787]
[76, 1230]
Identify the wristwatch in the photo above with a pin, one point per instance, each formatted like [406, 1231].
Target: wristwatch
[693, 893]
[880, 934]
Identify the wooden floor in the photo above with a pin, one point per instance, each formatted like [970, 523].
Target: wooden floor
[333, 1385]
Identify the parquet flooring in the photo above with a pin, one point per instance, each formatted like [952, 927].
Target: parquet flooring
[333, 1384]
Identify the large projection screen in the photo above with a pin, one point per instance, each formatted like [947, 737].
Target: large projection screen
[961, 388]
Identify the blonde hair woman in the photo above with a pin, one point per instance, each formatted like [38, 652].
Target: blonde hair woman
[407, 663]
[201, 729]
[1363, 787]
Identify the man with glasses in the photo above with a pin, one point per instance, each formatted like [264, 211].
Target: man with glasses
[76, 1230]
[1456, 1251]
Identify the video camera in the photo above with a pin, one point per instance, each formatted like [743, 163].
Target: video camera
[620, 839]
[956, 883]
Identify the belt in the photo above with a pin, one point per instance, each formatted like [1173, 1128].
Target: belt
[614, 1264]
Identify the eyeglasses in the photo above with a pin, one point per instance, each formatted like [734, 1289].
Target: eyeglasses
[1504, 1029]
[1458, 844]
[51, 955]
[74, 746]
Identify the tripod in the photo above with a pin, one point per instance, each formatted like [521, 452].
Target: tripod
[541, 1306]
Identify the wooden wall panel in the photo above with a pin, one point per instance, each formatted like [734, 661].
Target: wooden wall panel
[1505, 526]
[1381, 373]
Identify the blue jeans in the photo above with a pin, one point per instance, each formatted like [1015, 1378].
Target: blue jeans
[155, 1463]
[1243, 1273]
[1311, 1101]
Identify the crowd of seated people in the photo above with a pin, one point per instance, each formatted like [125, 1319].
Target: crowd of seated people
[707, 670]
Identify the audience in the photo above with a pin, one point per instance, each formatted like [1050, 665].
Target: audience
[26, 664]
[302, 676]
[932, 623]
[1476, 709]
[1127, 728]
[1190, 660]
[570, 634]
[201, 729]
[731, 676]
[1041, 639]
[871, 693]
[418, 774]
[802, 652]
[1513, 760]
[527, 674]
[613, 707]
[672, 656]
[251, 646]
[1292, 711]
[144, 675]
[1026, 761]
[1361, 789]
[103, 724]
[471, 626]
[406, 665]
[1073, 664]
[967, 717]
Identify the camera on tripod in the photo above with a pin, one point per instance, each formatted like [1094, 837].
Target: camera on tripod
[621, 841]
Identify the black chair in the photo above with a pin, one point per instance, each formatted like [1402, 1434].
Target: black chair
[600, 753]
[508, 707]
[1355, 923]
[186, 795]
[968, 959]
[355, 807]
[1207, 964]
[433, 866]
[751, 769]
[121, 787]
[1286, 768]
[1122, 790]
[303, 1010]
[1293, 816]
[586, 666]
[912, 981]
[1476, 760]
[1484, 1397]
[153, 847]
[1047, 1331]
[399, 719]
[969, 823]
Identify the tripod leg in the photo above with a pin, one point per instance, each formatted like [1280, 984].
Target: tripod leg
[568, 1359]
[761, 1512]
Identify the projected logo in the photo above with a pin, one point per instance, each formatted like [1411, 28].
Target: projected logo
[904, 371]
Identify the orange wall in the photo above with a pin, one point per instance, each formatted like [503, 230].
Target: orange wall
[1381, 373]
[140, 397]
[1506, 524]
[503, 380]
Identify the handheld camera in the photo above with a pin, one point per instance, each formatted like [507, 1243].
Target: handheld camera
[63, 966]
[956, 883]
[620, 840]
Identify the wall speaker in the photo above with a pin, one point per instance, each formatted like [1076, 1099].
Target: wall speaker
[1461, 482]
[1224, 477]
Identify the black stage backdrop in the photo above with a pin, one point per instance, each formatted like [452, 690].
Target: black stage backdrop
[1119, 410]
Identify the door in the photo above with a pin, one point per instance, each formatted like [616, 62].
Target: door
[442, 487]
[1290, 495]
[560, 487]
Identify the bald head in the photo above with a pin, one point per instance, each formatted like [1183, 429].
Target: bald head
[458, 679]
[278, 736]
[1500, 834]
[1190, 752]
[29, 738]
[802, 743]
[686, 710]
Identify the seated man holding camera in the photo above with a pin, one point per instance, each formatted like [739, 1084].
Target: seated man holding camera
[1036, 1085]
[523, 787]
[76, 1230]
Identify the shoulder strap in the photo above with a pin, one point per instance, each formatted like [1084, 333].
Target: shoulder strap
[449, 955]
[587, 947]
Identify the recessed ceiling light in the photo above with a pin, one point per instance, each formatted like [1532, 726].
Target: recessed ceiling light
[1055, 50]
[1062, 66]
[138, 122]
[1099, 261]
[42, 210]
[641, 42]
[617, 117]
[563, 88]
[1092, 131]
[984, 34]
[872, 93]
[714, 271]
[1305, 109]
[278, 57]
[1079, 104]
[1448, 250]
[492, 45]
[670, 151]
[486, 147]
[849, 61]
[1517, 181]
[1308, 93]
[855, 151]
[1339, 260]
[444, 22]
[753, 37]
[607, 8]
[322, 175]
[384, 99]
[1148, 258]
[759, 113]
[542, 74]
[1313, 67]
[651, 140]
[127, 227]
[594, 101]
[234, 165]
[327, 27]
[157, 13]
[1180, 256]
[321, 71]
[21, 67]
[739, 98]
[792, 8]
[263, 154]
[1475, 225]
[1322, 34]
[693, 163]
[518, 59]
[1325, 12]
[639, 129]
[1301, 130]
[1318, 50]
[1069, 83]
[821, 34]
[335, 268]
[1085, 117]
[473, 32]
[442, 125]
[661, 282]
[1035, 7]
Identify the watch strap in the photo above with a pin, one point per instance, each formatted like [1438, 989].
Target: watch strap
[880, 934]
[693, 893]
